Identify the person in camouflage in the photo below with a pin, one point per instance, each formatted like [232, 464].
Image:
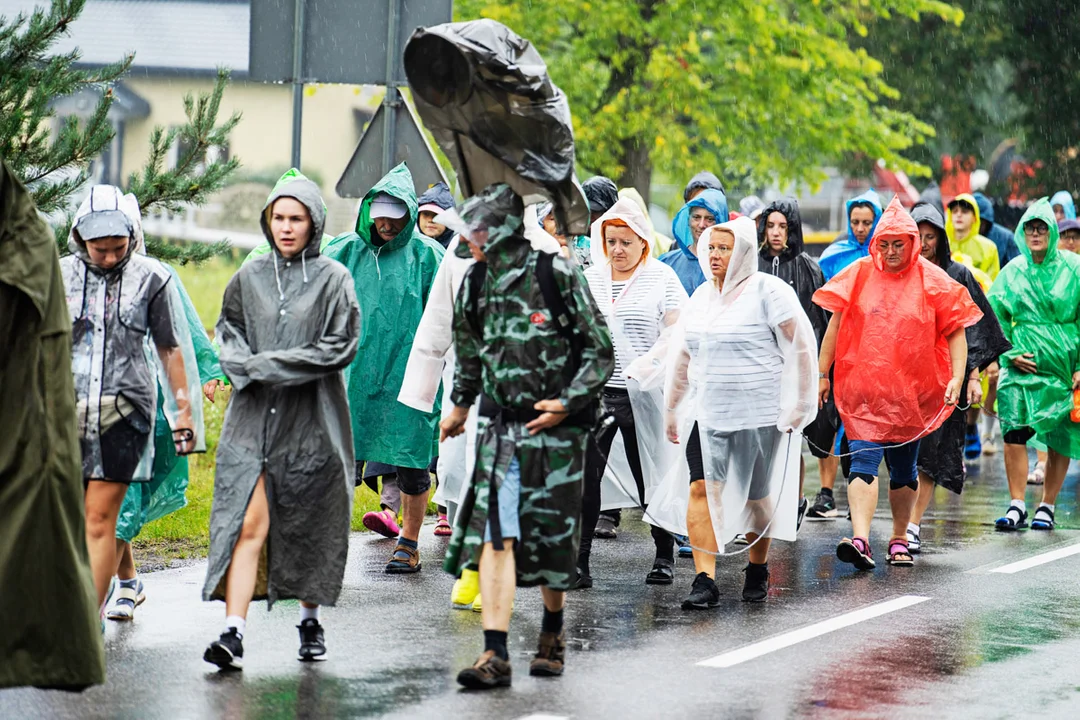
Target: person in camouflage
[540, 381]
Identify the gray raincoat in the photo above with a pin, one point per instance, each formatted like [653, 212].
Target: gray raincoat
[288, 329]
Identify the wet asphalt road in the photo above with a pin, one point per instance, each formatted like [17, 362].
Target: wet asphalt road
[984, 644]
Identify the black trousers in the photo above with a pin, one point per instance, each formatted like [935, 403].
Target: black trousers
[616, 405]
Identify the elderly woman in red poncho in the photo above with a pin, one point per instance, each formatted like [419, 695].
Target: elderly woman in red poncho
[897, 338]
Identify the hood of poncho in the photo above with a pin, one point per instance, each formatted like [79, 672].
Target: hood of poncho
[789, 208]
[1041, 209]
[704, 180]
[1065, 200]
[712, 200]
[293, 184]
[630, 213]
[924, 212]
[102, 198]
[744, 260]
[895, 223]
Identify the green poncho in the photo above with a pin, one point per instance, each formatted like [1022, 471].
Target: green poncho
[1038, 305]
[392, 284]
[51, 632]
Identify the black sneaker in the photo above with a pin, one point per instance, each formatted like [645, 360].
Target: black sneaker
[227, 652]
[824, 507]
[703, 594]
[583, 581]
[312, 641]
[756, 585]
[490, 671]
[804, 507]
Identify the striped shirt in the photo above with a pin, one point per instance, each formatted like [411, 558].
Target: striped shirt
[639, 308]
[735, 358]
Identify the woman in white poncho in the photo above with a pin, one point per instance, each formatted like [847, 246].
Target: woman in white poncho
[741, 384]
[640, 299]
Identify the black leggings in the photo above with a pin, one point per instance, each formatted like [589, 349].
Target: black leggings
[617, 405]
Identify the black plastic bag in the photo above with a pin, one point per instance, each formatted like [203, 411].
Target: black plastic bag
[484, 93]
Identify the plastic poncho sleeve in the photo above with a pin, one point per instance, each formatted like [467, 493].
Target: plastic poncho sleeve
[333, 351]
[798, 384]
[433, 339]
[231, 336]
[468, 380]
[597, 352]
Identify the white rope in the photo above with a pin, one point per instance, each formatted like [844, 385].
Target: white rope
[787, 456]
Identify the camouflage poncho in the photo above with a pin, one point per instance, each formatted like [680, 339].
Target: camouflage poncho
[509, 348]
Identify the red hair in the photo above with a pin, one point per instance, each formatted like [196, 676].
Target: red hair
[616, 222]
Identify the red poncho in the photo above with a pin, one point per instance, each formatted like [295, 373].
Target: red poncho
[892, 357]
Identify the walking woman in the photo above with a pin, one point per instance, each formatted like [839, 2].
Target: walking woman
[897, 338]
[639, 298]
[780, 253]
[941, 453]
[121, 302]
[1037, 299]
[279, 526]
[740, 388]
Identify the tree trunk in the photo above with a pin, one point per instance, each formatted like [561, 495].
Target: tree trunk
[638, 166]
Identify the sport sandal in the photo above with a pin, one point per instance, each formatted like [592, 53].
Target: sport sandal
[1043, 519]
[1014, 519]
[899, 553]
[856, 551]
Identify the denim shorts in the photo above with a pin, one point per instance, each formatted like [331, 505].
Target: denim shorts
[509, 497]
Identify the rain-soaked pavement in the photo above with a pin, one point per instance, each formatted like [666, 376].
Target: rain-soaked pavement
[982, 644]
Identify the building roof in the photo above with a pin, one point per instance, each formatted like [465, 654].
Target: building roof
[165, 35]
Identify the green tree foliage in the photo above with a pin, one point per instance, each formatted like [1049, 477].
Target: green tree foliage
[755, 90]
[1043, 46]
[53, 158]
[954, 77]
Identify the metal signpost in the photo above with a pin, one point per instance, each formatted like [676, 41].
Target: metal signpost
[352, 42]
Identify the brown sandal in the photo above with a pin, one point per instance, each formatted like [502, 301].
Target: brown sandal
[900, 553]
[404, 561]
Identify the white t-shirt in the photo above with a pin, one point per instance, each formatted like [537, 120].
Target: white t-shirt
[639, 306]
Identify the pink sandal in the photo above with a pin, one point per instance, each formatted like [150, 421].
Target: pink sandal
[442, 527]
[383, 522]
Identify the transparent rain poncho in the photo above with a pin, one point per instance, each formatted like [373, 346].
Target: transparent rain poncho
[118, 318]
[640, 320]
[743, 366]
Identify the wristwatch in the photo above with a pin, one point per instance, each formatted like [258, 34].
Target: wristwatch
[823, 376]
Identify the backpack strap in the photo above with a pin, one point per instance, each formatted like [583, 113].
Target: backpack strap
[560, 313]
[475, 276]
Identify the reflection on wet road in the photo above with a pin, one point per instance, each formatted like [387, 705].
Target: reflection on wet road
[985, 643]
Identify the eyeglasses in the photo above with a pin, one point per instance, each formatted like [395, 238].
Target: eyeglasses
[1036, 230]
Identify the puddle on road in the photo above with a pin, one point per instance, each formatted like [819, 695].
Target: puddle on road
[880, 680]
[313, 694]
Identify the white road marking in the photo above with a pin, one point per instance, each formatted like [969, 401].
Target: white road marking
[755, 650]
[1039, 559]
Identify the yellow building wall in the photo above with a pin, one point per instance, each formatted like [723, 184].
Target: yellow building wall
[262, 141]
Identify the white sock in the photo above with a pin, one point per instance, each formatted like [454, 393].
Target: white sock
[235, 621]
[309, 613]
[912, 527]
[1048, 506]
[1020, 504]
